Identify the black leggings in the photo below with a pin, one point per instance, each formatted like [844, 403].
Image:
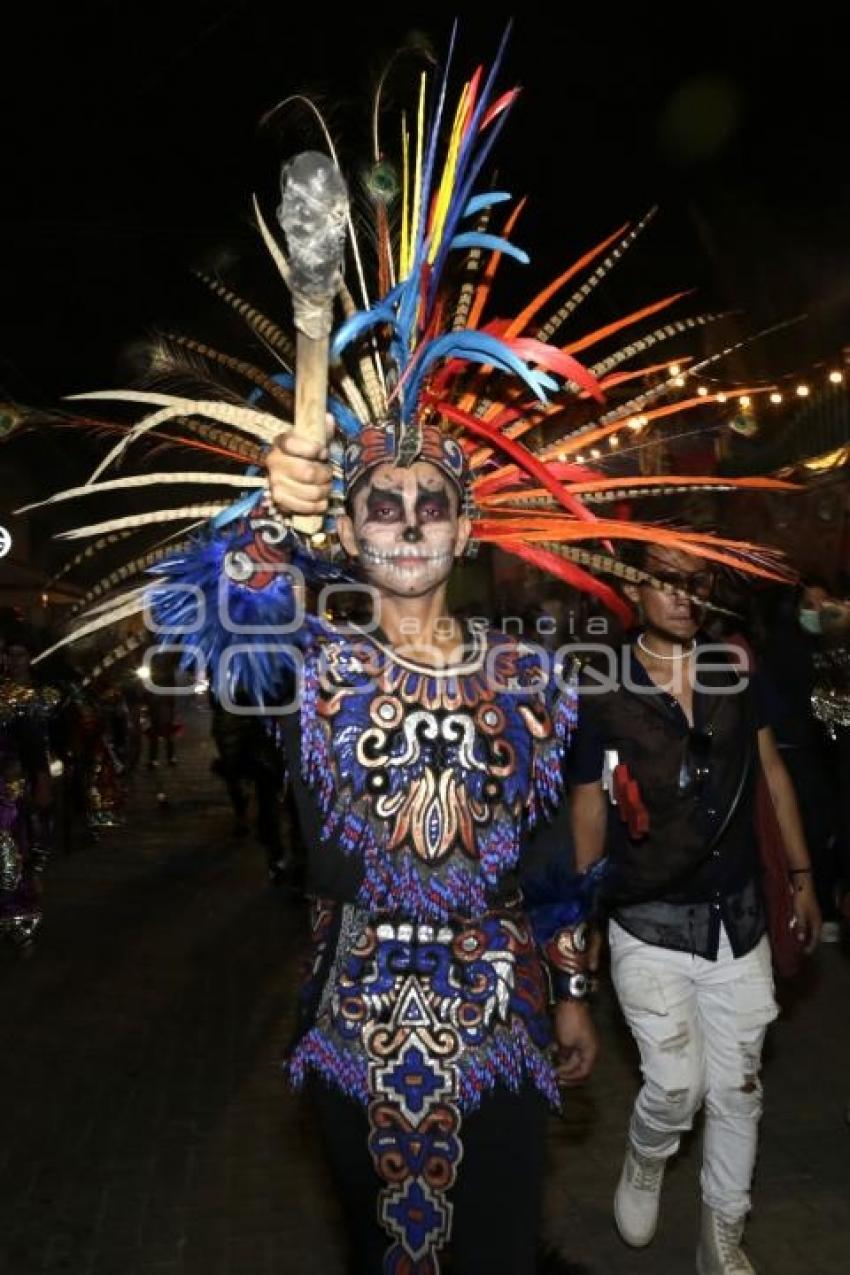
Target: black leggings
[497, 1196]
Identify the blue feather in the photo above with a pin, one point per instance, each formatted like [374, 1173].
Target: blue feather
[239, 509]
[487, 200]
[361, 323]
[476, 239]
[192, 592]
[461, 199]
[474, 347]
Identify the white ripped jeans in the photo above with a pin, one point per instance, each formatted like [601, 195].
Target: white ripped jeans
[699, 1026]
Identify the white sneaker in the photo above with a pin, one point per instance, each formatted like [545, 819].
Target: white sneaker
[637, 1197]
[719, 1250]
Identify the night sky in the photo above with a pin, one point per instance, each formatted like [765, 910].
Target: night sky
[130, 151]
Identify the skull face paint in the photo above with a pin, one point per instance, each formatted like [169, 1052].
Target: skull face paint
[404, 526]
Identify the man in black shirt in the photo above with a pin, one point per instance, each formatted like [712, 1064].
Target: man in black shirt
[676, 734]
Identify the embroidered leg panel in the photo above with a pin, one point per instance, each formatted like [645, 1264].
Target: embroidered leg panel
[414, 1126]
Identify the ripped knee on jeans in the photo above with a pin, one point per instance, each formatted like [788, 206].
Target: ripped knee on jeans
[676, 1102]
[752, 1070]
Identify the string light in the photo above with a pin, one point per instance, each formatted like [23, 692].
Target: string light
[614, 441]
[580, 459]
[679, 381]
[834, 376]
[595, 453]
[674, 369]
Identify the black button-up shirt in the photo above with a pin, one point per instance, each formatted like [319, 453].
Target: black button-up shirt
[696, 868]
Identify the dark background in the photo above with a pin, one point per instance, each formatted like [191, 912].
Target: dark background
[130, 144]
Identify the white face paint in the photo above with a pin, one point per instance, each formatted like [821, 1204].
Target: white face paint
[406, 528]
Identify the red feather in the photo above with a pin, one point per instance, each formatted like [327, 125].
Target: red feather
[472, 98]
[520, 455]
[549, 356]
[501, 104]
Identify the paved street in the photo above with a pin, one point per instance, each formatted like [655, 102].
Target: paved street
[146, 1127]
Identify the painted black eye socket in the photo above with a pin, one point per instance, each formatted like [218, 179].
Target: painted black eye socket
[433, 511]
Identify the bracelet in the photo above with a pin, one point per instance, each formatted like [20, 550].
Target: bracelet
[566, 959]
[571, 987]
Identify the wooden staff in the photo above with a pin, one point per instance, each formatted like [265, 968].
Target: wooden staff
[313, 215]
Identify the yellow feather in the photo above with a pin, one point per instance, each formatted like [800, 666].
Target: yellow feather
[404, 237]
[445, 190]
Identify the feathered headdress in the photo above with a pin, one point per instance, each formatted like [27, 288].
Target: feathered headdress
[421, 371]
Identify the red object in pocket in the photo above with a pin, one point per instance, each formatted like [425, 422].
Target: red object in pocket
[630, 803]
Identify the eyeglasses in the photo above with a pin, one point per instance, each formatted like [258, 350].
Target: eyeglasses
[698, 584]
[696, 763]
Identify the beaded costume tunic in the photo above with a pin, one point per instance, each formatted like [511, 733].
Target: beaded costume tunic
[427, 783]
[426, 987]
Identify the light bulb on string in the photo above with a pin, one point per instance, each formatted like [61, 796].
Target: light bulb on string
[776, 397]
[802, 391]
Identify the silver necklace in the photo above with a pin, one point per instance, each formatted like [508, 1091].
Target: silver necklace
[656, 655]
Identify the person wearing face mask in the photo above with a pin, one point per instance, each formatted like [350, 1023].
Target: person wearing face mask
[827, 618]
[788, 648]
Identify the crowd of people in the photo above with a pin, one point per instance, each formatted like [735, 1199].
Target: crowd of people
[70, 749]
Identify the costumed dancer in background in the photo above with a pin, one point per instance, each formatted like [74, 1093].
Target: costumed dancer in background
[25, 787]
[449, 984]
